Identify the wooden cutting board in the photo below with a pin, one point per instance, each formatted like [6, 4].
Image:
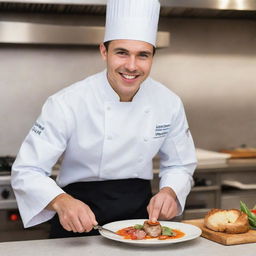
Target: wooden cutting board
[240, 153]
[223, 238]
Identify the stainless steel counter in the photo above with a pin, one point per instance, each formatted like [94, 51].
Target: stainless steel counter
[97, 245]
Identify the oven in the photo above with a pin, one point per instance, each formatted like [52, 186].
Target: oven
[11, 227]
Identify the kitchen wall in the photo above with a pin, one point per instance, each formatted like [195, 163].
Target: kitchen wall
[210, 64]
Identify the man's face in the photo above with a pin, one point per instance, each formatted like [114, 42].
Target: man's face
[128, 65]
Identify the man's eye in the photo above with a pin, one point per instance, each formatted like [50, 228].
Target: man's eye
[143, 55]
[121, 53]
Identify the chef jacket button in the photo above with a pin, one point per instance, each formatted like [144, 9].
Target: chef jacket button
[135, 175]
[145, 139]
[109, 137]
[108, 108]
[147, 111]
[140, 160]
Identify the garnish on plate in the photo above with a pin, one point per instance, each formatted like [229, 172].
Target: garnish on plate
[149, 230]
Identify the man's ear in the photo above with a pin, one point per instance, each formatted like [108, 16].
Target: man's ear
[103, 51]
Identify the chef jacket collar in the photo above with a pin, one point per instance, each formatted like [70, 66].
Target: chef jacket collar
[112, 96]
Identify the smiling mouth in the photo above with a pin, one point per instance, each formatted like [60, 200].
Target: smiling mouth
[128, 77]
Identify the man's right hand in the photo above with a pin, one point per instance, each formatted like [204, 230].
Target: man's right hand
[74, 215]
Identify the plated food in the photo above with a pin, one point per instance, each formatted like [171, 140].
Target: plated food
[190, 232]
[149, 230]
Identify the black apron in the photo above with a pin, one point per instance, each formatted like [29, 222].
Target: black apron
[110, 200]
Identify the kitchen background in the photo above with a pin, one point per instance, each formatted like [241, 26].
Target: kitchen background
[210, 64]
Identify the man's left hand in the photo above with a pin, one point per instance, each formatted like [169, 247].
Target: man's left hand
[163, 205]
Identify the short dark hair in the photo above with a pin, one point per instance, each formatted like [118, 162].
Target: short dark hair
[106, 44]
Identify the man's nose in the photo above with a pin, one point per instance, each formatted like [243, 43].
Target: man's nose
[131, 64]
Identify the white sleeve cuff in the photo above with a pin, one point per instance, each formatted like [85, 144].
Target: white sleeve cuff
[180, 182]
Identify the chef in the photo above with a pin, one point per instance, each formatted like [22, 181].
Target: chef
[107, 129]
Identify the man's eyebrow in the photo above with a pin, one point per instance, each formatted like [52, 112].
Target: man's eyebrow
[125, 50]
[120, 49]
[146, 52]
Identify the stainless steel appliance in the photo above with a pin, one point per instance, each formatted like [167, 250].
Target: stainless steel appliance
[11, 227]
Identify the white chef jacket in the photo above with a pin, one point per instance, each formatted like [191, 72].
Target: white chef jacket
[102, 138]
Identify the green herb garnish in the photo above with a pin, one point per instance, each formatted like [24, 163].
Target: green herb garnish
[138, 226]
[251, 216]
[166, 231]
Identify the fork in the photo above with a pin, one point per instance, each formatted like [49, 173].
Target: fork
[98, 227]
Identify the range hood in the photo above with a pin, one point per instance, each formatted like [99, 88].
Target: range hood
[169, 8]
[17, 32]
[46, 34]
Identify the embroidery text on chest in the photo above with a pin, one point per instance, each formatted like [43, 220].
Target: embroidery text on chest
[161, 130]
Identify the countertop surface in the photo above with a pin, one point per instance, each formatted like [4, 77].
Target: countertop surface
[97, 245]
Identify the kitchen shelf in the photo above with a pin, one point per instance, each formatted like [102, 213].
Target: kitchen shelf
[205, 188]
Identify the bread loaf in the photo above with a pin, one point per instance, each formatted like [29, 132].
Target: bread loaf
[230, 221]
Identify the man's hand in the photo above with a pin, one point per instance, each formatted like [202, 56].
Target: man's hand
[74, 215]
[163, 205]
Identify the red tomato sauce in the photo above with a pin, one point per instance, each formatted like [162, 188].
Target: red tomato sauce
[127, 233]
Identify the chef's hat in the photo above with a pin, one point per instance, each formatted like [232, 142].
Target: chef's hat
[132, 19]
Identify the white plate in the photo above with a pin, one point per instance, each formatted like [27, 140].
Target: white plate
[191, 232]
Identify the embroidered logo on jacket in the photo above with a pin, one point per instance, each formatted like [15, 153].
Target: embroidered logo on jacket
[37, 128]
[161, 130]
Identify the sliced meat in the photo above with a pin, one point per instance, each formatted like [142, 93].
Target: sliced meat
[140, 234]
[152, 229]
[130, 230]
